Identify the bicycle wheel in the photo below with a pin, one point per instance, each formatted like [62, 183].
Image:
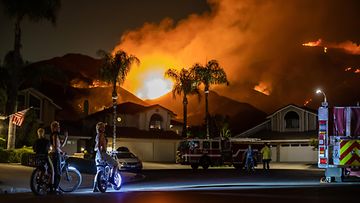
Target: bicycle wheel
[40, 182]
[102, 182]
[117, 181]
[70, 180]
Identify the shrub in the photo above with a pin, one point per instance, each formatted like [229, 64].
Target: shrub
[14, 155]
[25, 158]
[4, 156]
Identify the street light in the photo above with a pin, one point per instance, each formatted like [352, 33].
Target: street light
[319, 91]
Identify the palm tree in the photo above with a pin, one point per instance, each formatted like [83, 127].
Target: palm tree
[185, 83]
[114, 69]
[35, 10]
[211, 73]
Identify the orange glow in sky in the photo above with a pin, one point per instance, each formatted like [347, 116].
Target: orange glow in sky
[154, 86]
[147, 81]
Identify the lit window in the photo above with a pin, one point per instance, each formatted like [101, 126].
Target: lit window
[155, 122]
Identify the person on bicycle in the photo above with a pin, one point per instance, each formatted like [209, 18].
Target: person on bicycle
[41, 145]
[249, 159]
[100, 149]
[41, 148]
[57, 144]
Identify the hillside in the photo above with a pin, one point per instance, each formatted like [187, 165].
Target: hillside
[242, 115]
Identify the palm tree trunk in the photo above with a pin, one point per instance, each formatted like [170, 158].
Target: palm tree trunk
[10, 109]
[184, 131]
[17, 39]
[207, 112]
[114, 100]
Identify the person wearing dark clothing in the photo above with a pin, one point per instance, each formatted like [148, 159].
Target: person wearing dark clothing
[41, 148]
[42, 145]
[57, 144]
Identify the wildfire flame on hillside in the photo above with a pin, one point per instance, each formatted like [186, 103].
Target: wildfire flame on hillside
[313, 44]
[354, 70]
[264, 88]
[348, 46]
[93, 84]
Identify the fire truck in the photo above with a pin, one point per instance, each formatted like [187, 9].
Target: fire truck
[339, 142]
[217, 152]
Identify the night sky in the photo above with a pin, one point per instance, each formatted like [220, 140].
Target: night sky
[84, 26]
[259, 43]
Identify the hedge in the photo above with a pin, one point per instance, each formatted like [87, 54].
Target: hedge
[14, 155]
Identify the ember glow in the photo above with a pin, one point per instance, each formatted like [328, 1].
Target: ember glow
[263, 88]
[307, 102]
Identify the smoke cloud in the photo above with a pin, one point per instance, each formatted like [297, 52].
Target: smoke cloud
[258, 43]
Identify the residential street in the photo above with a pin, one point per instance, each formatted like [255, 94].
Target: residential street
[176, 183]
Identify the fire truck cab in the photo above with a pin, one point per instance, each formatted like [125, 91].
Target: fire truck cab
[217, 152]
[339, 142]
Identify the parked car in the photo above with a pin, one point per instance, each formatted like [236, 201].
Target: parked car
[123, 149]
[128, 162]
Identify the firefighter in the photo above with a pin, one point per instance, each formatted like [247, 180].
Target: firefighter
[249, 159]
[266, 156]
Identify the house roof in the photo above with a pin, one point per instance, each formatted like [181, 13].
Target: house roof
[41, 95]
[262, 125]
[176, 122]
[132, 132]
[130, 108]
[271, 135]
[314, 112]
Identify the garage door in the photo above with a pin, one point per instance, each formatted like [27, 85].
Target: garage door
[164, 151]
[144, 150]
[297, 153]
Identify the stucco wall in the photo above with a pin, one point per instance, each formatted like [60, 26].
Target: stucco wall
[151, 150]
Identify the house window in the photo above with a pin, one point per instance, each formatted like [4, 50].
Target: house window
[36, 104]
[206, 145]
[155, 122]
[291, 120]
[21, 102]
[215, 145]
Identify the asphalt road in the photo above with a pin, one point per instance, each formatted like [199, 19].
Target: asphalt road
[215, 185]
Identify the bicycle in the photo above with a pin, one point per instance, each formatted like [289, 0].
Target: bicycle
[41, 180]
[104, 176]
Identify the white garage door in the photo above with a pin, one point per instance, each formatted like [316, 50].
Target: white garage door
[164, 151]
[297, 153]
[144, 150]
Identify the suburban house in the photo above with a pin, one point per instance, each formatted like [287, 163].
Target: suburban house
[43, 106]
[150, 132]
[289, 131]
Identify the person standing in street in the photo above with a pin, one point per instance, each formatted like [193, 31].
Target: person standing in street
[266, 156]
[57, 144]
[249, 159]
